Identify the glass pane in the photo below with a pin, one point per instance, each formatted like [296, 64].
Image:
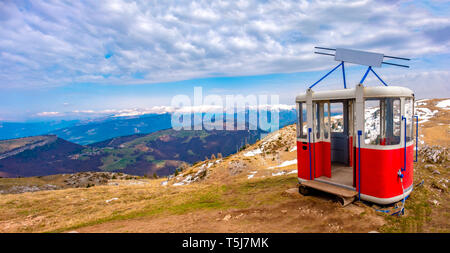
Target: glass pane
[317, 119]
[408, 116]
[350, 117]
[299, 122]
[303, 121]
[326, 119]
[372, 131]
[393, 121]
[337, 121]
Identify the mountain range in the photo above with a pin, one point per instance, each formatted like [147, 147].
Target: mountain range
[86, 132]
[133, 144]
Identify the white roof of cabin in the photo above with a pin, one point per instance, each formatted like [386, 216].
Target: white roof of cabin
[369, 92]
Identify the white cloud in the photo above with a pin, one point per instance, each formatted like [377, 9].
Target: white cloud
[156, 110]
[48, 114]
[45, 44]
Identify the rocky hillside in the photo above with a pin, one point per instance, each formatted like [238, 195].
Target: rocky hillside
[434, 121]
[40, 156]
[274, 155]
[61, 181]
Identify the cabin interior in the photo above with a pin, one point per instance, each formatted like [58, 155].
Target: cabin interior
[339, 132]
[333, 122]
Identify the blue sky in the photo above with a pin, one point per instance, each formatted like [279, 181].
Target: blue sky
[61, 58]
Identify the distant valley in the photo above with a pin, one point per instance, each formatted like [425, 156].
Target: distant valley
[143, 145]
[157, 153]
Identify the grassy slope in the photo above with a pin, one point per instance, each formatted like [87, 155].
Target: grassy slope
[8, 145]
[422, 214]
[49, 211]
[436, 131]
[57, 180]
[70, 209]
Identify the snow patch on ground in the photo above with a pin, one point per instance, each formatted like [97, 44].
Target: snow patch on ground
[284, 164]
[444, 104]
[186, 181]
[109, 200]
[197, 176]
[211, 164]
[284, 173]
[252, 174]
[253, 152]
[425, 114]
[421, 102]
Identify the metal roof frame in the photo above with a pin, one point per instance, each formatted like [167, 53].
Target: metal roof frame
[358, 57]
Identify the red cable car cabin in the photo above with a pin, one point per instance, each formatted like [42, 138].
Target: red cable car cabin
[358, 139]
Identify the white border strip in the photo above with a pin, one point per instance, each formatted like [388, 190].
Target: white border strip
[385, 201]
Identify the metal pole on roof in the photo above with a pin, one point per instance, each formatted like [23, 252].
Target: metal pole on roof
[365, 75]
[343, 75]
[323, 77]
[379, 78]
[395, 57]
[358, 57]
[395, 64]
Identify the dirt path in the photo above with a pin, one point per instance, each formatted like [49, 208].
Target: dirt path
[295, 215]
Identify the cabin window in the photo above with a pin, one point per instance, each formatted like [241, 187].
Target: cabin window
[302, 123]
[409, 118]
[393, 137]
[372, 121]
[326, 119]
[337, 121]
[382, 125]
[317, 119]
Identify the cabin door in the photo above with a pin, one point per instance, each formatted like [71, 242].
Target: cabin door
[340, 133]
[321, 139]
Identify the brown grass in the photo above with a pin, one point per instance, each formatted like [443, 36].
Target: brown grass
[437, 130]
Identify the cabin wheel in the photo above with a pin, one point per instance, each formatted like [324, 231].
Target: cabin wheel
[303, 190]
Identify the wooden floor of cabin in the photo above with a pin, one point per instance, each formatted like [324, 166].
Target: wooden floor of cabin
[340, 174]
